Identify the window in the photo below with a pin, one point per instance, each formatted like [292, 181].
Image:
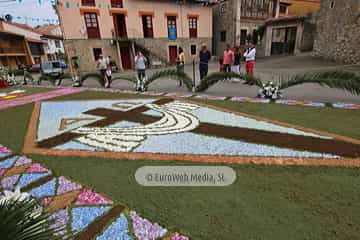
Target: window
[223, 36]
[92, 25]
[171, 23]
[88, 3]
[147, 26]
[116, 3]
[193, 27]
[332, 4]
[283, 9]
[57, 44]
[193, 49]
[97, 53]
[243, 35]
[223, 7]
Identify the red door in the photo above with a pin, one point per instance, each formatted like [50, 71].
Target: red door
[92, 25]
[147, 26]
[120, 26]
[172, 54]
[125, 57]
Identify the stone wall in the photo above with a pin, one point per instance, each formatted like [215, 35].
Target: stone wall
[338, 31]
[84, 50]
[223, 20]
[308, 35]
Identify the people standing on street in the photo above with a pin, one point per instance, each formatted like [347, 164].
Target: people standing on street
[236, 65]
[102, 66]
[228, 58]
[205, 57]
[140, 66]
[108, 73]
[180, 63]
[108, 76]
[250, 55]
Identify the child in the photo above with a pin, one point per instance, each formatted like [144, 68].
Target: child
[221, 63]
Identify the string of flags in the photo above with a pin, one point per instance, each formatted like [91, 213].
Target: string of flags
[53, 2]
[32, 19]
[35, 20]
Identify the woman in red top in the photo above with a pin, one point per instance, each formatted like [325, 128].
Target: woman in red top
[228, 58]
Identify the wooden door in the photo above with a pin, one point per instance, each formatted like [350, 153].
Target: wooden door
[193, 27]
[125, 57]
[92, 25]
[172, 54]
[147, 26]
[120, 26]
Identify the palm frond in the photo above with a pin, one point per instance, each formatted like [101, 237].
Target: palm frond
[335, 79]
[18, 221]
[251, 80]
[172, 74]
[95, 75]
[213, 78]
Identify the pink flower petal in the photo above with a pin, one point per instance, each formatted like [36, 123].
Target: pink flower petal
[88, 197]
[35, 168]
[4, 150]
[2, 171]
[45, 201]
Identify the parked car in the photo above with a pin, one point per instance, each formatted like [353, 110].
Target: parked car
[53, 68]
[35, 68]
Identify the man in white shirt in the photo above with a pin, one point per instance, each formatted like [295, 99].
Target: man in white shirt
[140, 65]
[102, 65]
[250, 55]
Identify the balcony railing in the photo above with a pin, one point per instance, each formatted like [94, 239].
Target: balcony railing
[12, 50]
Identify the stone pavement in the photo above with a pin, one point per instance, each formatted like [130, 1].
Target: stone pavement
[271, 68]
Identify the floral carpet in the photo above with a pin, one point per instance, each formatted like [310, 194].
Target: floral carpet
[84, 212]
[17, 100]
[143, 128]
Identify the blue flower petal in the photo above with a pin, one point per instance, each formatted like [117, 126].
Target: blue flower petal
[45, 190]
[28, 178]
[8, 162]
[118, 230]
[83, 216]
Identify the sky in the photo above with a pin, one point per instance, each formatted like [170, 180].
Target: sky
[29, 11]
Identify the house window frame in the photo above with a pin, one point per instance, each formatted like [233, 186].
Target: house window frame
[90, 21]
[193, 26]
[97, 56]
[193, 53]
[117, 3]
[146, 33]
[57, 44]
[174, 25]
[88, 3]
[223, 36]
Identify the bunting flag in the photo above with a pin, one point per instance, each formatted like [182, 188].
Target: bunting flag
[32, 19]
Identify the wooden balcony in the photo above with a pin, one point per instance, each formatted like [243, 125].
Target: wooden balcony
[12, 51]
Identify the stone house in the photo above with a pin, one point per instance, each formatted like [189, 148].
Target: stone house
[338, 31]
[235, 21]
[118, 28]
